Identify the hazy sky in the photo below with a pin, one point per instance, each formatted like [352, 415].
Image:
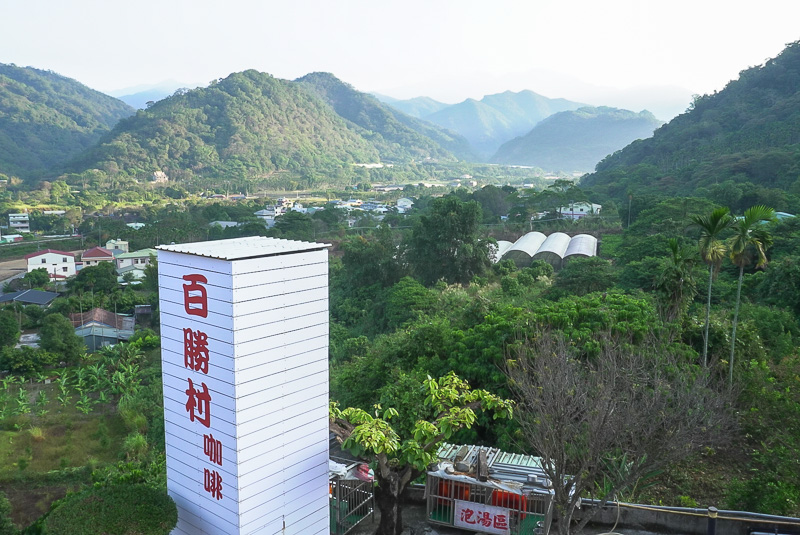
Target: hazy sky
[445, 49]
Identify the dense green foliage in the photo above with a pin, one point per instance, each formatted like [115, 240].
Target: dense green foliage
[246, 125]
[738, 147]
[120, 509]
[46, 119]
[57, 336]
[397, 136]
[576, 140]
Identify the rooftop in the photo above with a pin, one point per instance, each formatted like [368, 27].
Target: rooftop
[97, 252]
[45, 251]
[34, 297]
[242, 248]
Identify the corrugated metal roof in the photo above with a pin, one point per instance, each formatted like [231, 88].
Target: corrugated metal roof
[582, 244]
[529, 243]
[555, 243]
[502, 465]
[242, 248]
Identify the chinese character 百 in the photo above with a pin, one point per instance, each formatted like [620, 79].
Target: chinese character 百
[198, 404]
[195, 350]
[212, 482]
[466, 516]
[213, 449]
[195, 299]
[500, 522]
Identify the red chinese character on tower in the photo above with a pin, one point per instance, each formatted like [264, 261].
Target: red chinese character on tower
[199, 404]
[213, 449]
[212, 482]
[195, 298]
[500, 522]
[195, 350]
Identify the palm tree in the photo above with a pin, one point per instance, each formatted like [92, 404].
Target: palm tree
[712, 250]
[675, 282]
[750, 237]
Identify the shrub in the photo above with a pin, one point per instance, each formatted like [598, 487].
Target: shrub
[121, 509]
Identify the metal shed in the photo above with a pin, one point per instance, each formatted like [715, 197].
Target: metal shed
[524, 248]
[553, 249]
[582, 245]
[486, 490]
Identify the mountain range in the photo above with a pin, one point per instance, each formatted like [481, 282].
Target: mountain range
[491, 121]
[46, 119]
[576, 140]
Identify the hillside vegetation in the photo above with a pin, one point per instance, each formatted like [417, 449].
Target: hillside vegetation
[46, 119]
[577, 140]
[739, 147]
[396, 135]
[246, 125]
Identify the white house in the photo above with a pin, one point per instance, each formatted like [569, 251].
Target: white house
[19, 223]
[136, 258]
[578, 210]
[95, 255]
[59, 264]
[122, 245]
[404, 204]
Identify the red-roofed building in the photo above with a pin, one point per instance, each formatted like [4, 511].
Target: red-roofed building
[95, 255]
[59, 264]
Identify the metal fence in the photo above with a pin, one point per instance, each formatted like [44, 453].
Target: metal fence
[495, 510]
[352, 501]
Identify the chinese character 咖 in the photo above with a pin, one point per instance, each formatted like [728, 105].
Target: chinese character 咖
[213, 449]
[212, 483]
[195, 350]
[500, 522]
[199, 404]
[195, 298]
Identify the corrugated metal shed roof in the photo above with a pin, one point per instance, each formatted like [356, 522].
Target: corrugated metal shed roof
[529, 243]
[582, 244]
[242, 248]
[503, 466]
[555, 243]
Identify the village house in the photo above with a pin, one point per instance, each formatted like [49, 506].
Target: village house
[578, 210]
[100, 328]
[139, 258]
[59, 264]
[95, 255]
[19, 223]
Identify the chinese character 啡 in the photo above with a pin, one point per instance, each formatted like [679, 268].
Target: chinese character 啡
[212, 483]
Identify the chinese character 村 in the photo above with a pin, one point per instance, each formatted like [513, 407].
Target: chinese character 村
[198, 404]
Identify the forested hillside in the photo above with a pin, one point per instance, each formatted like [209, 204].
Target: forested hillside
[576, 140]
[248, 124]
[46, 118]
[739, 147]
[396, 135]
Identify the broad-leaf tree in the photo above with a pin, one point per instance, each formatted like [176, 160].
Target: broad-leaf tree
[751, 238]
[401, 455]
[712, 250]
[446, 243]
